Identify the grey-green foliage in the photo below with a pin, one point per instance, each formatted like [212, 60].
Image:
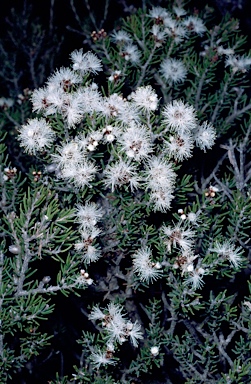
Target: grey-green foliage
[174, 275]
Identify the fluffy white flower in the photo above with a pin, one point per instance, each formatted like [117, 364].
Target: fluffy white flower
[161, 199]
[63, 78]
[195, 278]
[174, 30]
[180, 117]
[159, 174]
[228, 251]
[36, 135]
[133, 330]
[121, 37]
[91, 254]
[158, 13]
[121, 173]
[159, 35]
[241, 64]
[88, 235]
[179, 146]
[131, 53]
[144, 267]
[173, 70]
[72, 110]
[194, 24]
[39, 99]
[101, 358]
[205, 136]
[178, 236]
[136, 142]
[81, 174]
[145, 98]
[113, 105]
[179, 11]
[6, 102]
[70, 155]
[88, 215]
[89, 98]
[85, 62]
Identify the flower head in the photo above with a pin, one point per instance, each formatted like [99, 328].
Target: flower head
[136, 142]
[228, 251]
[173, 70]
[121, 173]
[85, 62]
[144, 267]
[36, 135]
[88, 215]
[179, 117]
[194, 24]
[205, 136]
[145, 98]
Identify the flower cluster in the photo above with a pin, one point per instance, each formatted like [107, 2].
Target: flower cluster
[117, 329]
[88, 216]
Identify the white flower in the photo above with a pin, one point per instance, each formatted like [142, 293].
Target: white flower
[96, 314]
[39, 99]
[84, 173]
[227, 250]
[136, 142]
[194, 217]
[69, 155]
[89, 98]
[159, 174]
[72, 110]
[121, 37]
[161, 199]
[194, 24]
[88, 215]
[159, 35]
[6, 102]
[101, 358]
[144, 267]
[145, 98]
[225, 51]
[178, 236]
[36, 135]
[88, 235]
[87, 62]
[180, 117]
[173, 70]
[179, 11]
[113, 105]
[194, 279]
[154, 350]
[205, 136]
[79, 174]
[121, 173]
[133, 331]
[241, 64]
[63, 78]
[91, 254]
[185, 262]
[174, 30]
[179, 146]
[131, 53]
[158, 13]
